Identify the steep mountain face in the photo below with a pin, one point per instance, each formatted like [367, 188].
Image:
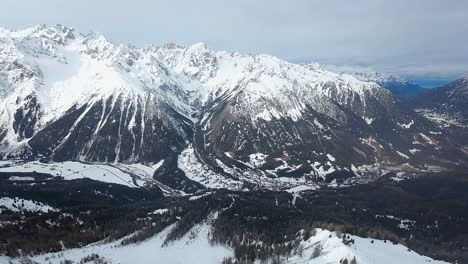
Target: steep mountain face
[447, 104]
[217, 119]
[404, 89]
[71, 96]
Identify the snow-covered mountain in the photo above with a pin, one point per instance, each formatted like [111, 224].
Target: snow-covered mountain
[402, 88]
[73, 96]
[217, 119]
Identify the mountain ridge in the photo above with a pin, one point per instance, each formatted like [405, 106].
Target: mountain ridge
[70, 96]
[404, 89]
[449, 102]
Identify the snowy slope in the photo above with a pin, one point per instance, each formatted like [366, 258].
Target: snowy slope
[195, 248]
[192, 248]
[71, 170]
[68, 68]
[366, 251]
[53, 72]
[21, 205]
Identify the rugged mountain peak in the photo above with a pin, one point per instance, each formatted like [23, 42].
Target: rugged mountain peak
[216, 74]
[58, 34]
[313, 66]
[378, 77]
[199, 47]
[98, 46]
[48, 73]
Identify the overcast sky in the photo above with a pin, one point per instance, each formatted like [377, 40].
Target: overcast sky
[419, 39]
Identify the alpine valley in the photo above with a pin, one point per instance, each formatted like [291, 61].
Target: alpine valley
[114, 154]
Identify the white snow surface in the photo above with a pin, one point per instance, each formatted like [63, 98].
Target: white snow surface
[64, 69]
[70, 170]
[366, 252]
[22, 205]
[369, 120]
[193, 248]
[406, 126]
[160, 211]
[402, 155]
[257, 159]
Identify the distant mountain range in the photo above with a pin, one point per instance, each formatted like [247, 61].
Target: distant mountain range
[402, 88]
[216, 119]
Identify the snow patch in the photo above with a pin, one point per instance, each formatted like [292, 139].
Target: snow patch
[413, 151]
[330, 157]
[21, 205]
[406, 126]
[402, 155]
[160, 211]
[257, 159]
[369, 120]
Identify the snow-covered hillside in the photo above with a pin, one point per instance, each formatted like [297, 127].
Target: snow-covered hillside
[20, 205]
[322, 248]
[326, 247]
[192, 248]
[136, 175]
